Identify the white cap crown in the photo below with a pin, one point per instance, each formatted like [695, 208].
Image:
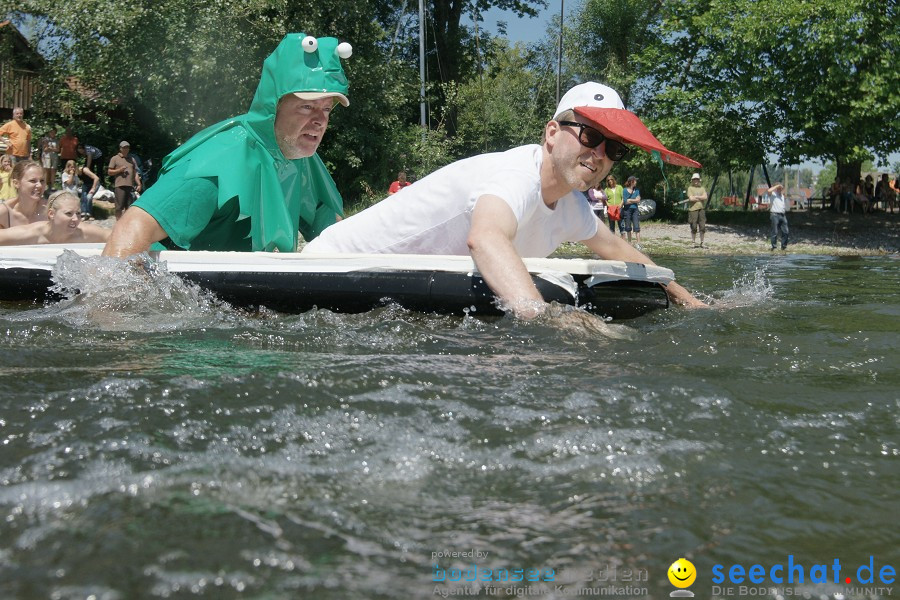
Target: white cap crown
[592, 94]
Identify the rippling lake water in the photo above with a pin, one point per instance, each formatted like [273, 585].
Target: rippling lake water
[155, 443]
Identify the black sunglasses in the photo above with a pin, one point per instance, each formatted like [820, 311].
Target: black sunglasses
[591, 138]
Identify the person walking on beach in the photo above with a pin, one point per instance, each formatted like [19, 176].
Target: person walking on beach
[614, 194]
[631, 213]
[779, 206]
[250, 182]
[525, 202]
[696, 201]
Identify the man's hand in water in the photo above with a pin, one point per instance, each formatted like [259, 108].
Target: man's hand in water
[682, 297]
[566, 318]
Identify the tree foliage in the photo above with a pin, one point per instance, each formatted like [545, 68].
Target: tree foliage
[507, 106]
[453, 54]
[802, 79]
[728, 83]
[610, 36]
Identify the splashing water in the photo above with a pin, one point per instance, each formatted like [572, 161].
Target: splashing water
[135, 294]
[563, 318]
[749, 290]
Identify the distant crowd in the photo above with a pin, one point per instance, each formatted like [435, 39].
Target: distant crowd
[40, 178]
[865, 195]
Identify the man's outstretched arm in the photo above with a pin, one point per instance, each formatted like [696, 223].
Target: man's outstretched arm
[609, 246]
[133, 234]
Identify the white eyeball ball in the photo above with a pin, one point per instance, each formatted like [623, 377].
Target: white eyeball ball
[310, 44]
[344, 50]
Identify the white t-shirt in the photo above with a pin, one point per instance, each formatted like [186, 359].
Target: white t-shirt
[777, 202]
[433, 215]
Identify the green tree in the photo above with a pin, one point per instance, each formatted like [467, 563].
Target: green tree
[812, 79]
[610, 35]
[453, 49]
[507, 107]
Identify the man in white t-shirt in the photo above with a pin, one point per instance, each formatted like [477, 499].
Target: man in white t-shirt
[504, 206]
[779, 206]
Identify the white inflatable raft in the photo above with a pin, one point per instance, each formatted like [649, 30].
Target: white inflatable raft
[359, 282]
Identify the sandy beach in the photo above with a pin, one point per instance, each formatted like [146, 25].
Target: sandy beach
[811, 232]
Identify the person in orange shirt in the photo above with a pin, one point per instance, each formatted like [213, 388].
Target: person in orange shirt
[19, 134]
[68, 146]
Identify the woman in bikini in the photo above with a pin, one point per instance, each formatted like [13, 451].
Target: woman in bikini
[63, 225]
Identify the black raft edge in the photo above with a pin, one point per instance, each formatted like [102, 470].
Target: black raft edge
[360, 291]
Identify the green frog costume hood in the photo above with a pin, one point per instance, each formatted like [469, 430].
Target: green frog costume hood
[277, 195]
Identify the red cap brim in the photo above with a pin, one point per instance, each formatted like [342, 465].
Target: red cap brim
[626, 126]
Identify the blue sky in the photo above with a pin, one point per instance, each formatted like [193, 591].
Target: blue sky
[526, 30]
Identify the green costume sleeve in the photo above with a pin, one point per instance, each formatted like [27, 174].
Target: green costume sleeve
[183, 207]
[278, 196]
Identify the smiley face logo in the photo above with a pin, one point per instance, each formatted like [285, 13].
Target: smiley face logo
[682, 573]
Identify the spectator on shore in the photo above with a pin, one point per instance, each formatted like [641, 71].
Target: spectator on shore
[127, 179]
[93, 160]
[68, 146]
[250, 182]
[614, 193]
[19, 134]
[631, 215]
[895, 191]
[779, 206]
[141, 170]
[597, 200]
[49, 146]
[884, 193]
[90, 182]
[69, 178]
[7, 190]
[63, 225]
[399, 184]
[833, 195]
[870, 191]
[847, 196]
[860, 197]
[28, 206]
[696, 202]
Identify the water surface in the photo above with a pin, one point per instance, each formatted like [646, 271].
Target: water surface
[157, 443]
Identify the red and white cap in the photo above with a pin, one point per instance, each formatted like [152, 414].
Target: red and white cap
[602, 107]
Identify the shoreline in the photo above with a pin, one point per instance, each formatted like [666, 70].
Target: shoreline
[811, 232]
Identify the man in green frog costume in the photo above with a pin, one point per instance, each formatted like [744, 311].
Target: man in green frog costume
[250, 182]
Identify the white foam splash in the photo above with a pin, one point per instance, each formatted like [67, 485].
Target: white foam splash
[566, 318]
[134, 294]
[749, 290]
